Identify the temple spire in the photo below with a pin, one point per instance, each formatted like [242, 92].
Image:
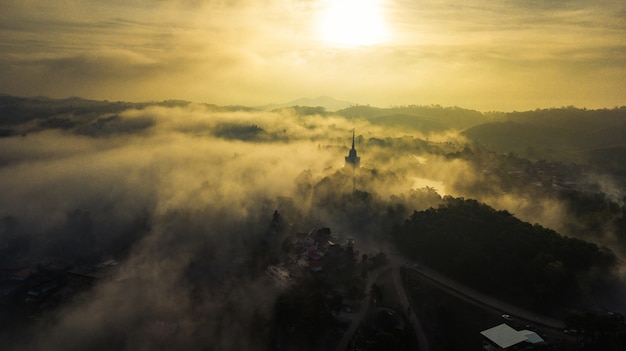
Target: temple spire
[352, 138]
[352, 157]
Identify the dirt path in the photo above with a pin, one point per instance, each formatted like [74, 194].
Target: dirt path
[356, 318]
[419, 332]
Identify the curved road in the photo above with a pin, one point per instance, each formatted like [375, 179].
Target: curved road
[462, 291]
[486, 300]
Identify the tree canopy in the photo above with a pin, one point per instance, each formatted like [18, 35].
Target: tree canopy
[495, 252]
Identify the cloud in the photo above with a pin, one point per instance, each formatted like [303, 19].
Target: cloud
[232, 52]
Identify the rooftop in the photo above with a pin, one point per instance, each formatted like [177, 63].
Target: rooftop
[504, 336]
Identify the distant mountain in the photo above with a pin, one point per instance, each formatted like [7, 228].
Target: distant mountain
[326, 102]
[425, 119]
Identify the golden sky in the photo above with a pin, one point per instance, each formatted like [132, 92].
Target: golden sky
[505, 55]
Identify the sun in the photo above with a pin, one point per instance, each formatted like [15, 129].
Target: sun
[352, 23]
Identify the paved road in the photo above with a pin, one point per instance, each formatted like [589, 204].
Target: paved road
[486, 300]
[465, 292]
[397, 261]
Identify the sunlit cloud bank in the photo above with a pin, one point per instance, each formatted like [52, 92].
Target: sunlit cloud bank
[477, 54]
[157, 159]
[171, 154]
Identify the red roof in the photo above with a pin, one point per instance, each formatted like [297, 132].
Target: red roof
[314, 256]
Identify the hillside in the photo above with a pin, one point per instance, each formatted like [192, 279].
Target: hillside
[424, 119]
[328, 103]
[501, 255]
[594, 137]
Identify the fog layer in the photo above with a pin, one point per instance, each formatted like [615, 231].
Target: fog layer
[182, 196]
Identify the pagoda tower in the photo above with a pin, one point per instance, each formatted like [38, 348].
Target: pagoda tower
[352, 158]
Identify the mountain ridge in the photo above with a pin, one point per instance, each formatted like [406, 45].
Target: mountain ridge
[327, 102]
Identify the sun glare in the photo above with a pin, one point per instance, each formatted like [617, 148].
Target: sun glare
[352, 23]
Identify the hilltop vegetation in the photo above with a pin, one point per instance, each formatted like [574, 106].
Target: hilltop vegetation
[497, 253]
[594, 137]
[568, 134]
[425, 119]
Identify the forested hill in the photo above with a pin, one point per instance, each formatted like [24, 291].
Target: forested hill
[423, 119]
[568, 134]
[565, 134]
[497, 253]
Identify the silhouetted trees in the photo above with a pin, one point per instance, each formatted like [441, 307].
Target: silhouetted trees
[496, 252]
[598, 332]
[596, 215]
[303, 313]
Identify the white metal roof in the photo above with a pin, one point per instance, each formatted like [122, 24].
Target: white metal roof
[504, 336]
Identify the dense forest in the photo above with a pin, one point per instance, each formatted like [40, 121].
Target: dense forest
[497, 253]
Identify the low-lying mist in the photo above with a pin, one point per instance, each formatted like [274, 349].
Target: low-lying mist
[182, 196]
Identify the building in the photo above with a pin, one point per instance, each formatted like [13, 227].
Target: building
[503, 337]
[352, 159]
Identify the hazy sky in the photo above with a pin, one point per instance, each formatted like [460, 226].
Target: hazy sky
[487, 55]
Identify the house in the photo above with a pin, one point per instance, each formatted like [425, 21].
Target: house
[313, 253]
[316, 244]
[503, 337]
